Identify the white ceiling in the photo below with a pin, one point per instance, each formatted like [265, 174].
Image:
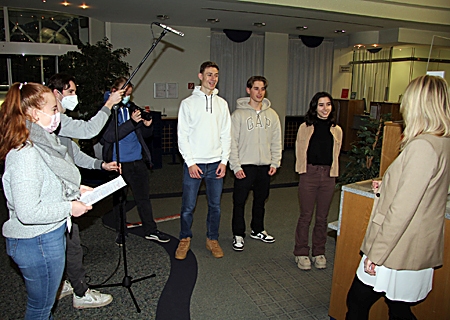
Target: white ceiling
[239, 15]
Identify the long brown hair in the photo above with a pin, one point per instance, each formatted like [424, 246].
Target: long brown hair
[13, 114]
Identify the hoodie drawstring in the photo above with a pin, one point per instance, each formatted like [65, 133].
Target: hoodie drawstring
[207, 102]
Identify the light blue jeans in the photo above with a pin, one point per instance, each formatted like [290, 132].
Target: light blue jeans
[41, 260]
[213, 192]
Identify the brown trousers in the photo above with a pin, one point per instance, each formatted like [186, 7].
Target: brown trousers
[315, 189]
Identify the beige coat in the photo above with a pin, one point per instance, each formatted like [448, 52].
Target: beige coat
[301, 147]
[406, 227]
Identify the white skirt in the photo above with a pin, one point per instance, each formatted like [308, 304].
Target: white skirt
[399, 285]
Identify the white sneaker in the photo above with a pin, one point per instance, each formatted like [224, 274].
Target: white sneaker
[320, 262]
[263, 236]
[92, 299]
[238, 243]
[64, 290]
[303, 262]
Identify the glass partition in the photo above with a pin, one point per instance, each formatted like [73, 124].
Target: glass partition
[31, 68]
[384, 75]
[43, 27]
[370, 79]
[37, 31]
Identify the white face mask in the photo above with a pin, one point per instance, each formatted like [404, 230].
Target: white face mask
[54, 123]
[69, 102]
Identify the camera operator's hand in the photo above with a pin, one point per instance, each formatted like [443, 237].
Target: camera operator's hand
[136, 115]
[114, 98]
[110, 166]
[148, 122]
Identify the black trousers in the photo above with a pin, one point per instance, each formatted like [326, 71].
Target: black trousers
[361, 297]
[136, 176]
[74, 260]
[257, 179]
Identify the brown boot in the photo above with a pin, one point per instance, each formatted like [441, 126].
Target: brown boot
[214, 247]
[183, 248]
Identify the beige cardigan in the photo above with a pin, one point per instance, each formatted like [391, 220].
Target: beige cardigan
[301, 146]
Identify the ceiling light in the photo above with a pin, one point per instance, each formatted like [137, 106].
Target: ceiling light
[65, 3]
[162, 16]
[213, 20]
[301, 28]
[84, 6]
[339, 31]
[359, 46]
[259, 24]
[375, 45]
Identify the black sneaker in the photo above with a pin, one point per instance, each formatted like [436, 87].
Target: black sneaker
[157, 236]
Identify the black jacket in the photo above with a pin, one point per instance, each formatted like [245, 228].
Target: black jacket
[142, 131]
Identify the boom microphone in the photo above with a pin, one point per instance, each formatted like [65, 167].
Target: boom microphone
[181, 34]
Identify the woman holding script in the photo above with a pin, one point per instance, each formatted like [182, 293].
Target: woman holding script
[41, 185]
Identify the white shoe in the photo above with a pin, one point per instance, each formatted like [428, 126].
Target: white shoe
[66, 289]
[320, 262]
[92, 299]
[303, 262]
[238, 243]
[263, 236]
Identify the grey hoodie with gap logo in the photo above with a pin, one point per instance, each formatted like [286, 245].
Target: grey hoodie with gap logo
[255, 136]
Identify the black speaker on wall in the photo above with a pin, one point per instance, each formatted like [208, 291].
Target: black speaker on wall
[311, 41]
[237, 35]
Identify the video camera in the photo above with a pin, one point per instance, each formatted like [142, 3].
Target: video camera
[144, 114]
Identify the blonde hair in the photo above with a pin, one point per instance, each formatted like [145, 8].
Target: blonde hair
[425, 108]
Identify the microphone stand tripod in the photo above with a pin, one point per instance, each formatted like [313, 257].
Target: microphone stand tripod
[127, 280]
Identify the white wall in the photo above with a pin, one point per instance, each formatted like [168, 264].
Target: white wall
[341, 80]
[96, 30]
[177, 59]
[174, 60]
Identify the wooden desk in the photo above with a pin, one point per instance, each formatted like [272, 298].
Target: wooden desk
[391, 144]
[354, 214]
[345, 111]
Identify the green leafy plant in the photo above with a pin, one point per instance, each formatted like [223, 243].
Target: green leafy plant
[365, 155]
[95, 68]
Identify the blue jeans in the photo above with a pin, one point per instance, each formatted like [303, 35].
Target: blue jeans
[189, 200]
[41, 261]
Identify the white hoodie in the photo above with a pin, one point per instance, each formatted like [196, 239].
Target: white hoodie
[204, 128]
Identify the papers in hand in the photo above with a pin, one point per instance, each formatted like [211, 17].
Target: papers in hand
[97, 194]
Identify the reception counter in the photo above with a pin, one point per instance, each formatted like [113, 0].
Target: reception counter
[355, 208]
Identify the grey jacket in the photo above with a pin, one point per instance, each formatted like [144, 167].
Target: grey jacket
[34, 193]
[80, 129]
[80, 158]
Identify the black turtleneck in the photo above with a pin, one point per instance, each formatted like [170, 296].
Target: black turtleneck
[320, 148]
